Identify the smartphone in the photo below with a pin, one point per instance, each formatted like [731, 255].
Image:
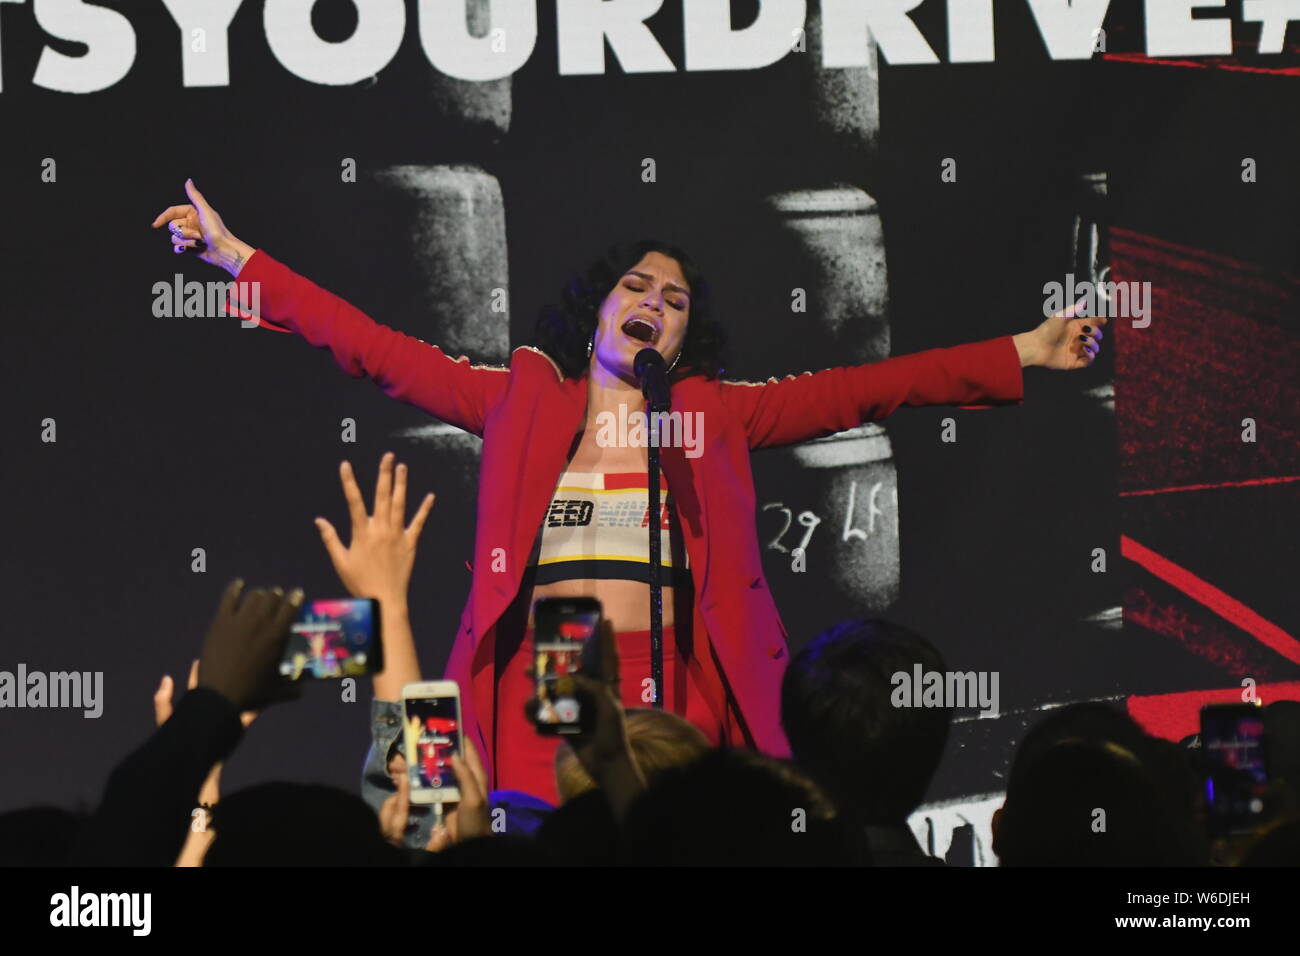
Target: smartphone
[335, 637]
[565, 642]
[431, 733]
[1236, 766]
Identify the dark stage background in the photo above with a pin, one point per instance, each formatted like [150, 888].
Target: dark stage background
[183, 433]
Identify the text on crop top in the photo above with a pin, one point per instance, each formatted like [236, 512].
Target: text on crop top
[598, 527]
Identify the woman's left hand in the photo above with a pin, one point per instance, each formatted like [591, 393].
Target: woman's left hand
[1062, 341]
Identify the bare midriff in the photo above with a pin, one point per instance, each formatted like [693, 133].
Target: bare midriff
[626, 604]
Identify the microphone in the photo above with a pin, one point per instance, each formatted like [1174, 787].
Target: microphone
[653, 374]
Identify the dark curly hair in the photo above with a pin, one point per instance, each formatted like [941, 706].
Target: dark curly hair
[563, 332]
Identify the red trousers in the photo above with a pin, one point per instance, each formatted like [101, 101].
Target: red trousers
[525, 759]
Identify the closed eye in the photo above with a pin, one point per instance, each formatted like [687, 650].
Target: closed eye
[679, 305]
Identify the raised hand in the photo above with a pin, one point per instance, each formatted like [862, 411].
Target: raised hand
[162, 699]
[394, 811]
[471, 817]
[199, 227]
[199, 836]
[605, 743]
[603, 750]
[378, 561]
[244, 644]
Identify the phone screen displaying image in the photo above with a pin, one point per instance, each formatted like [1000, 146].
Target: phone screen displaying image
[1232, 743]
[432, 735]
[562, 630]
[333, 638]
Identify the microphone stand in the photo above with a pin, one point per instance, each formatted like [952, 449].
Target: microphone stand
[655, 388]
[656, 566]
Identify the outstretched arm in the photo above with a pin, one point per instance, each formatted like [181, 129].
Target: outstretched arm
[199, 837]
[799, 408]
[377, 563]
[145, 812]
[405, 367]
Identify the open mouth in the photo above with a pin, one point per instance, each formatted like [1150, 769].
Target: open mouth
[640, 329]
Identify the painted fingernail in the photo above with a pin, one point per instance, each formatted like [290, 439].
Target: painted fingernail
[1083, 338]
[1087, 328]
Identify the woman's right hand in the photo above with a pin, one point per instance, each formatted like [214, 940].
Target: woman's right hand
[199, 227]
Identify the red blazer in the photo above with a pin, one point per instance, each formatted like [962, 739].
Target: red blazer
[527, 415]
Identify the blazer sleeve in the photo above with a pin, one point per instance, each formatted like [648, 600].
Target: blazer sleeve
[405, 367]
[814, 404]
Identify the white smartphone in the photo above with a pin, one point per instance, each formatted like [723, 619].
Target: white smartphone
[431, 715]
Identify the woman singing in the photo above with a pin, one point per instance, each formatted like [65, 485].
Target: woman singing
[562, 509]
